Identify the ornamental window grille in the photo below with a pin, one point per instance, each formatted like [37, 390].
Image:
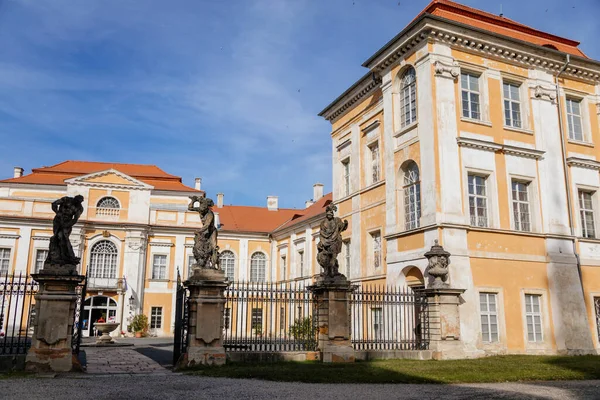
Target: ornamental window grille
[108, 202]
[533, 315]
[408, 98]
[586, 211]
[227, 260]
[512, 105]
[156, 318]
[574, 119]
[374, 162]
[103, 260]
[412, 196]
[40, 258]
[521, 208]
[346, 177]
[159, 266]
[376, 247]
[471, 104]
[489, 317]
[258, 263]
[4, 260]
[478, 200]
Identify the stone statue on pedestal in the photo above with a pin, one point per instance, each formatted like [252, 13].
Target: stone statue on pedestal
[330, 244]
[439, 260]
[206, 251]
[61, 257]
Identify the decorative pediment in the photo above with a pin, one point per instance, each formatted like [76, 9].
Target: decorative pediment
[583, 163]
[110, 178]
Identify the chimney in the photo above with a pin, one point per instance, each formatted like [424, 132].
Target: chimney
[317, 191]
[198, 184]
[217, 221]
[272, 203]
[308, 203]
[18, 172]
[220, 200]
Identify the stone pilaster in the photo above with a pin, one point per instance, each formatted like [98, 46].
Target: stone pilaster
[53, 326]
[444, 323]
[332, 297]
[205, 318]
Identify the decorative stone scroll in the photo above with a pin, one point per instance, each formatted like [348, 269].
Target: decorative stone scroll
[447, 70]
[543, 93]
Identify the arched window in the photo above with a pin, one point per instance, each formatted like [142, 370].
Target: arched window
[408, 97]
[103, 263]
[228, 264]
[258, 264]
[108, 202]
[412, 196]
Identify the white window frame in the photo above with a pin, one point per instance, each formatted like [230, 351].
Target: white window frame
[412, 192]
[412, 98]
[470, 91]
[190, 261]
[346, 178]
[224, 267]
[154, 266]
[283, 261]
[486, 178]
[347, 245]
[594, 194]
[517, 225]
[94, 268]
[5, 260]
[545, 346]
[489, 315]
[38, 251]
[300, 261]
[571, 117]
[373, 161]
[377, 322]
[373, 255]
[511, 103]
[156, 317]
[530, 314]
[261, 275]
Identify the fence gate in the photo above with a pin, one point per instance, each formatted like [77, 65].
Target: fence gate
[77, 322]
[16, 305]
[181, 321]
[385, 318]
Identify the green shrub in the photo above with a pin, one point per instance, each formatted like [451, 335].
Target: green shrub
[139, 323]
[304, 330]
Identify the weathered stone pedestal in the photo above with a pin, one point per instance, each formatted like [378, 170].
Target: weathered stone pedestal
[53, 326]
[205, 318]
[444, 323]
[332, 296]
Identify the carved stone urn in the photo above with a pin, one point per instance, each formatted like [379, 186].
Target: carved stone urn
[439, 259]
[106, 328]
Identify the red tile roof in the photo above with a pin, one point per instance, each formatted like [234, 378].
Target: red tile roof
[500, 25]
[253, 219]
[57, 174]
[314, 210]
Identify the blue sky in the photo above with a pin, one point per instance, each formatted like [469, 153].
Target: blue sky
[226, 90]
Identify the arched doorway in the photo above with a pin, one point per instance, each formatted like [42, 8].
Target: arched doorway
[95, 307]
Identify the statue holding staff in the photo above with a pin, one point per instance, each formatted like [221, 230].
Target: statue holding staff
[206, 251]
[330, 244]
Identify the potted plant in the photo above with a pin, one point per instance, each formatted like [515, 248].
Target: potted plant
[139, 325]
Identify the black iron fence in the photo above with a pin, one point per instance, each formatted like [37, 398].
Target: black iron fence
[77, 319]
[385, 318]
[16, 313]
[181, 321]
[269, 317]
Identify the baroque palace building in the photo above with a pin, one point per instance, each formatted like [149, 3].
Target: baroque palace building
[136, 234]
[482, 133]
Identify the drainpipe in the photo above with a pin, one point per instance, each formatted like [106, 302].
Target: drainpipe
[566, 168]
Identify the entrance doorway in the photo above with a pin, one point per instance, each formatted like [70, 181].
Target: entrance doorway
[94, 308]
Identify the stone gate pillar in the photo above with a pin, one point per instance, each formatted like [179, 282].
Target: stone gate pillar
[55, 305]
[205, 318]
[332, 296]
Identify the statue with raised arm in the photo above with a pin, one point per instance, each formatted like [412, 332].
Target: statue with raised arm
[60, 252]
[330, 243]
[206, 251]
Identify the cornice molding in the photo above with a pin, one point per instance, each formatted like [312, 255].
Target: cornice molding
[544, 93]
[354, 96]
[583, 163]
[299, 240]
[45, 238]
[135, 184]
[496, 147]
[161, 244]
[9, 236]
[446, 70]
[282, 246]
[344, 144]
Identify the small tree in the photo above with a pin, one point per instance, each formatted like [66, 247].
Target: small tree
[139, 323]
[304, 330]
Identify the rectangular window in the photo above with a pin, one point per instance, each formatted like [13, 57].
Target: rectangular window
[521, 209]
[376, 247]
[512, 105]
[257, 317]
[489, 317]
[301, 263]
[40, 257]
[586, 211]
[347, 257]
[227, 318]
[4, 260]
[346, 176]
[374, 149]
[469, 84]
[533, 314]
[156, 318]
[159, 266]
[191, 262]
[574, 119]
[283, 268]
[478, 200]
[377, 321]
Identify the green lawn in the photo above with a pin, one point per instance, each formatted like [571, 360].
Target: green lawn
[489, 369]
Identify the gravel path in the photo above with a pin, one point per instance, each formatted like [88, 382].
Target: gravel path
[178, 386]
